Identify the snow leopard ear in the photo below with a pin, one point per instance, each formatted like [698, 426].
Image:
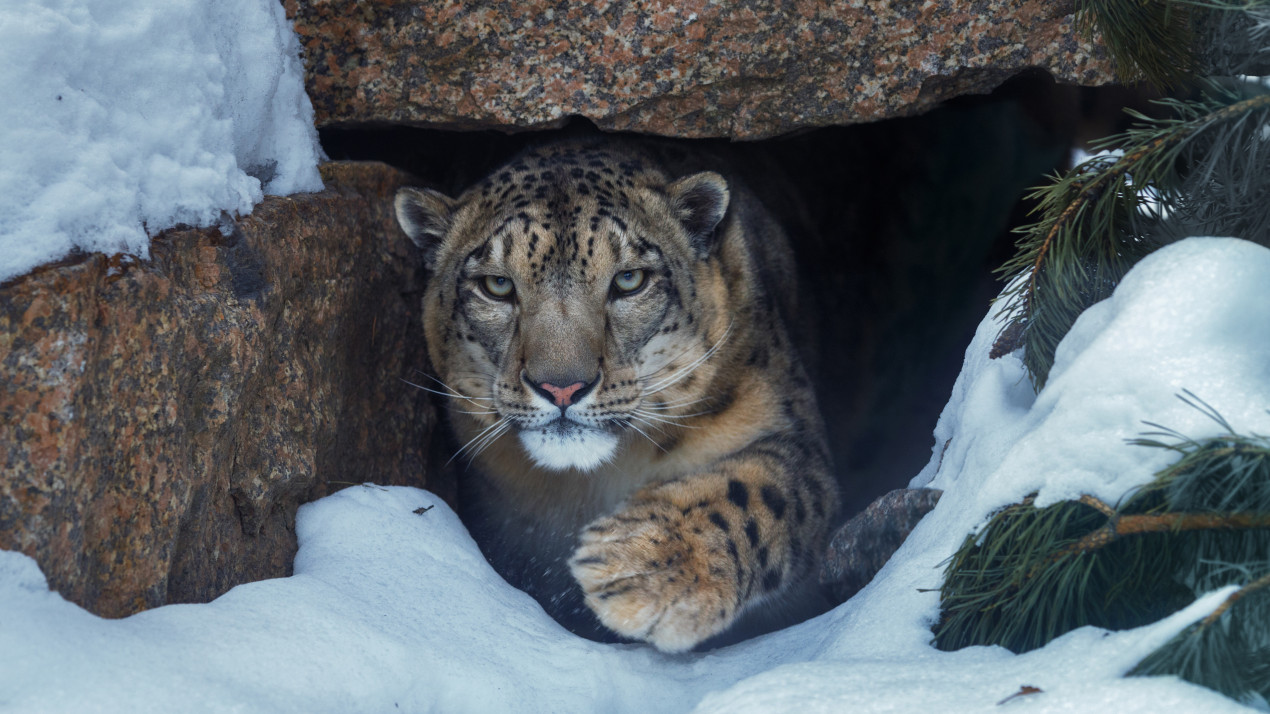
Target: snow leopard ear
[699, 202]
[425, 215]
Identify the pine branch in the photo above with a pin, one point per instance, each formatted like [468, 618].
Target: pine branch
[1160, 41]
[1250, 588]
[1034, 573]
[1119, 527]
[1103, 216]
[1229, 650]
[1147, 39]
[1235, 38]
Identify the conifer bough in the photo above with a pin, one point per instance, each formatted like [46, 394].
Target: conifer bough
[1033, 574]
[1103, 216]
[1151, 39]
[1201, 172]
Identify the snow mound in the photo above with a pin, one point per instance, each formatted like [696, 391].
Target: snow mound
[391, 609]
[1192, 316]
[125, 117]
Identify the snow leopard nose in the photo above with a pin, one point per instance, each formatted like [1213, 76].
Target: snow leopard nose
[562, 396]
[566, 395]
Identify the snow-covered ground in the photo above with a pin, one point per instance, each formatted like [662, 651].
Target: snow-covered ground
[391, 610]
[120, 118]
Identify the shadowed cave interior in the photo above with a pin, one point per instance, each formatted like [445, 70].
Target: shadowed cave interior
[897, 225]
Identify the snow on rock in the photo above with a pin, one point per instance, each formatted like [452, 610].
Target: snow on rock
[127, 117]
[393, 610]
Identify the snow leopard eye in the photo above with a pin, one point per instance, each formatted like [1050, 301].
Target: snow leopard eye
[628, 282]
[498, 287]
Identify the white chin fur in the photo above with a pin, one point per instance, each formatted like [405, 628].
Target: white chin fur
[558, 449]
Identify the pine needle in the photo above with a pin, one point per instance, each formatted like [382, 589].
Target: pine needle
[1168, 43]
[1147, 39]
[1228, 651]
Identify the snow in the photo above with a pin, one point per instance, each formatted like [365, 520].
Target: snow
[126, 117]
[1193, 316]
[391, 610]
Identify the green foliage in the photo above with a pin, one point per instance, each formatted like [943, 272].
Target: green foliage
[1228, 651]
[1168, 43]
[1033, 574]
[1153, 39]
[1198, 171]
[1027, 579]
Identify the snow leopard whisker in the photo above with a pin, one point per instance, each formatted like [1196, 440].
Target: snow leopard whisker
[475, 441]
[648, 423]
[668, 406]
[663, 418]
[487, 441]
[482, 409]
[454, 396]
[688, 416]
[658, 408]
[692, 366]
[490, 439]
[432, 391]
[676, 375]
[643, 433]
[669, 362]
[475, 373]
[452, 392]
[667, 365]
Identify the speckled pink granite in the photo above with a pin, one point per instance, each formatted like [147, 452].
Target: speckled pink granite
[745, 69]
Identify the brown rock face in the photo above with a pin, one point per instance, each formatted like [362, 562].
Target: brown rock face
[744, 69]
[160, 421]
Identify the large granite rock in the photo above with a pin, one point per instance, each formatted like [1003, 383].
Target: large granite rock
[744, 69]
[160, 421]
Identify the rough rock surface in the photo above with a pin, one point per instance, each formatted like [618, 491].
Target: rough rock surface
[744, 69]
[160, 421]
[863, 545]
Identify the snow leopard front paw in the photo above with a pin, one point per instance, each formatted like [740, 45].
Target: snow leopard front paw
[655, 573]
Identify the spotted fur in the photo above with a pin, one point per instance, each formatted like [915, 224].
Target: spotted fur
[690, 481]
